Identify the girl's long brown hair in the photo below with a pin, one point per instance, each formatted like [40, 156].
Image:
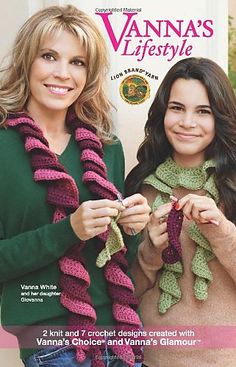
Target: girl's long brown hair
[156, 148]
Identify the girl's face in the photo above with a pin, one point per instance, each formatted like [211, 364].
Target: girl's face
[58, 74]
[189, 122]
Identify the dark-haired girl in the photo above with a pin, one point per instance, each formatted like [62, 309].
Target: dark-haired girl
[186, 269]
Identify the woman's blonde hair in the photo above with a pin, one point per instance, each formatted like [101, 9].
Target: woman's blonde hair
[92, 105]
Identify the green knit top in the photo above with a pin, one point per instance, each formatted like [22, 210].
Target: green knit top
[30, 245]
[167, 177]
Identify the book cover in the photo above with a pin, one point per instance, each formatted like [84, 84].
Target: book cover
[144, 38]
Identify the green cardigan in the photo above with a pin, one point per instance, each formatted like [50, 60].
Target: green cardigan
[30, 245]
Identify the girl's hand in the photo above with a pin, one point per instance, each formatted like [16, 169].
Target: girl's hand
[135, 215]
[93, 217]
[157, 226]
[201, 209]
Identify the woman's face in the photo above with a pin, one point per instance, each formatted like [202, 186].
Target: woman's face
[189, 122]
[58, 74]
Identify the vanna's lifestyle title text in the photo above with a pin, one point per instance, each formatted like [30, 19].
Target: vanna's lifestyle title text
[141, 37]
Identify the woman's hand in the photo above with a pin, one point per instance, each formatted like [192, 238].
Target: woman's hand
[93, 217]
[201, 209]
[135, 215]
[157, 226]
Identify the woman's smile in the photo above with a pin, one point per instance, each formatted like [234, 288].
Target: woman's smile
[58, 89]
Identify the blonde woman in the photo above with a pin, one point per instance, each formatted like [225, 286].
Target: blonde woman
[61, 205]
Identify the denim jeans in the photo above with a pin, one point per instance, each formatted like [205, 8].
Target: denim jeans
[65, 357]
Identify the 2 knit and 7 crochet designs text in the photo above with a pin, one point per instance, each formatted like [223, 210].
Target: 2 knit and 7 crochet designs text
[59, 337]
[193, 337]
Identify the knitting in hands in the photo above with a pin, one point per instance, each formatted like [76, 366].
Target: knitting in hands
[173, 252]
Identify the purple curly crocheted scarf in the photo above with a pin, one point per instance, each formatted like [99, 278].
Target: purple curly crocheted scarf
[63, 195]
[173, 252]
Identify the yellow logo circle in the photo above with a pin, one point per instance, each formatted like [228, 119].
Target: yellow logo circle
[134, 89]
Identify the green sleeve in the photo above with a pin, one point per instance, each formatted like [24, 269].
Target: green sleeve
[34, 249]
[132, 243]
[115, 163]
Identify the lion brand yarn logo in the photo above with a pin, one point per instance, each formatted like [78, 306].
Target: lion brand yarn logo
[134, 89]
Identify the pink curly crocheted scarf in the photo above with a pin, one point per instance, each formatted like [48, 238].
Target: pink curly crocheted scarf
[63, 195]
